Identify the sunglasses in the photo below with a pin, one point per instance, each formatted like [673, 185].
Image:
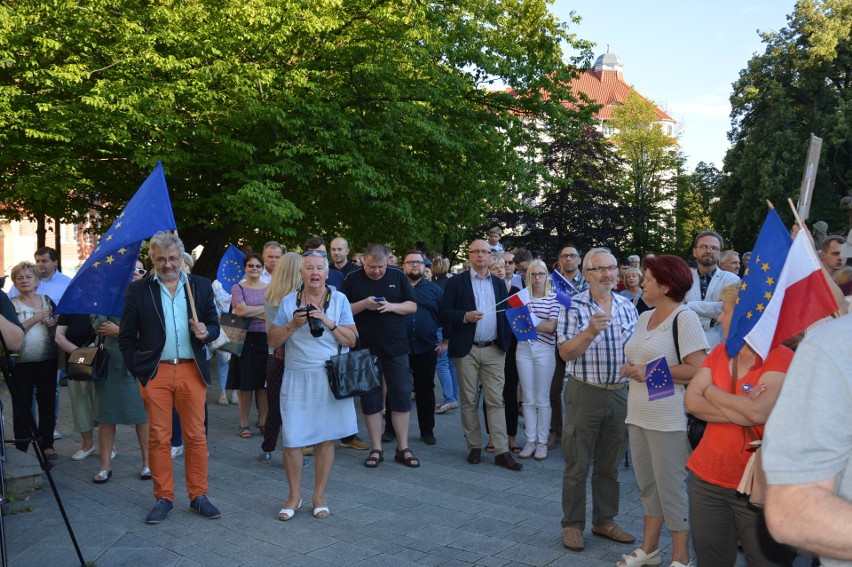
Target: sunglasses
[319, 253]
[254, 266]
[140, 271]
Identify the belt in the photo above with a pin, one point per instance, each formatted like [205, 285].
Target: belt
[484, 344]
[621, 386]
[176, 361]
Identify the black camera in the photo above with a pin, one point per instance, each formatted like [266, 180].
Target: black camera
[315, 325]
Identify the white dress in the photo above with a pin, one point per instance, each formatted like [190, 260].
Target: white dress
[309, 412]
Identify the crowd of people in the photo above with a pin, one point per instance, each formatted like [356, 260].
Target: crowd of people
[581, 383]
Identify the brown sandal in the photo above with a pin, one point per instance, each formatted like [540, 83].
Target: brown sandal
[372, 462]
[409, 461]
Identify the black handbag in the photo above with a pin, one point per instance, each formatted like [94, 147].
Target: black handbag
[352, 373]
[234, 329]
[694, 427]
[89, 364]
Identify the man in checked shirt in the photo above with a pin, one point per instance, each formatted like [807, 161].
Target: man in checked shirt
[591, 335]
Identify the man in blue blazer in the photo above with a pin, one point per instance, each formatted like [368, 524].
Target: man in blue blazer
[163, 347]
[479, 338]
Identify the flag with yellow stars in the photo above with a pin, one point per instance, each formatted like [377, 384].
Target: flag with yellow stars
[659, 379]
[99, 286]
[231, 270]
[523, 322]
[760, 279]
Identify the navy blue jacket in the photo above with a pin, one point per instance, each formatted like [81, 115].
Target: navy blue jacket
[458, 299]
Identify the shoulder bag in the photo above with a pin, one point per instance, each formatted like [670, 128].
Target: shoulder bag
[90, 363]
[234, 330]
[352, 373]
[694, 427]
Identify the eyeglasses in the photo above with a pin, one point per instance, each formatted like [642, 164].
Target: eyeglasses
[479, 251]
[602, 269]
[706, 247]
[319, 253]
[413, 262]
[170, 260]
[509, 262]
[539, 274]
[254, 266]
[567, 256]
[140, 271]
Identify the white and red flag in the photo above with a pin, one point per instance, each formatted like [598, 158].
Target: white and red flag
[801, 297]
[519, 299]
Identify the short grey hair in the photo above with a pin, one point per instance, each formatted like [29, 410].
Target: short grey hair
[164, 241]
[587, 259]
[377, 252]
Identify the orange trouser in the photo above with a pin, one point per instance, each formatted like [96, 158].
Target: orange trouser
[181, 386]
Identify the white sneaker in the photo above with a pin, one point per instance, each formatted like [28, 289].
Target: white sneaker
[223, 398]
[528, 451]
[177, 451]
[56, 434]
[540, 452]
[235, 397]
[112, 453]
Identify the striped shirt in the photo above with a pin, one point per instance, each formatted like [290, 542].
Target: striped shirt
[602, 360]
[545, 308]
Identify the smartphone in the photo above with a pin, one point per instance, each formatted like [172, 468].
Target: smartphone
[378, 299]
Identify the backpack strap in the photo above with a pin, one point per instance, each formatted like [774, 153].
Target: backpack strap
[674, 334]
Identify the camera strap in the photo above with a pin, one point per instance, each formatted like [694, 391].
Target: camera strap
[325, 301]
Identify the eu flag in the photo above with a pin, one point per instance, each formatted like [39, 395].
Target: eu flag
[563, 288]
[231, 270]
[99, 286]
[659, 379]
[759, 279]
[523, 322]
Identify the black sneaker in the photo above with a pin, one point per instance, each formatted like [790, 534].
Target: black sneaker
[203, 507]
[160, 511]
[428, 438]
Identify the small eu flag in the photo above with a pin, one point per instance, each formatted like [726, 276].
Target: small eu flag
[659, 379]
[231, 270]
[98, 287]
[563, 289]
[523, 323]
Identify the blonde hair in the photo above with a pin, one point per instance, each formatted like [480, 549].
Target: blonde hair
[547, 284]
[843, 275]
[729, 293]
[636, 271]
[285, 279]
[440, 266]
[25, 265]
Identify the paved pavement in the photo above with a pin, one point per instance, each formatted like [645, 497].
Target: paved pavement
[446, 513]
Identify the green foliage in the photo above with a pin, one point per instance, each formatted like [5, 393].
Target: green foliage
[652, 160]
[798, 85]
[282, 118]
[695, 194]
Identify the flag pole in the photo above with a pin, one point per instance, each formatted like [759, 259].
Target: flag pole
[189, 291]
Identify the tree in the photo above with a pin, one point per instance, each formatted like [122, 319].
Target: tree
[582, 203]
[695, 194]
[800, 84]
[282, 118]
[652, 160]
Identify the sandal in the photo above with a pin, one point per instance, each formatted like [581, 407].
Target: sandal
[102, 477]
[409, 461]
[515, 450]
[321, 512]
[145, 474]
[371, 461]
[489, 448]
[245, 432]
[287, 513]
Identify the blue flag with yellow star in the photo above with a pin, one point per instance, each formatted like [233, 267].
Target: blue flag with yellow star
[231, 270]
[523, 322]
[659, 379]
[759, 279]
[98, 287]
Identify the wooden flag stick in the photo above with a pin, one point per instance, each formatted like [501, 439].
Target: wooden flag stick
[796, 213]
[188, 290]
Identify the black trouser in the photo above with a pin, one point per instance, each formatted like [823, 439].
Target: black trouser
[41, 377]
[423, 369]
[556, 396]
[272, 427]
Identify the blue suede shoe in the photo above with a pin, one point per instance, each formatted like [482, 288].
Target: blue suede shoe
[160, 511]
[203, 507]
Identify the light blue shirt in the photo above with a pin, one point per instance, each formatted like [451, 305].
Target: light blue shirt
[176, 321]
[483, 293]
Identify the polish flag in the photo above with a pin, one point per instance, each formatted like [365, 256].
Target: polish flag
[801, 297]
[520, 299]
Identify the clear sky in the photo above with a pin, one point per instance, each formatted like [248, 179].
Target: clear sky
[683, 55]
